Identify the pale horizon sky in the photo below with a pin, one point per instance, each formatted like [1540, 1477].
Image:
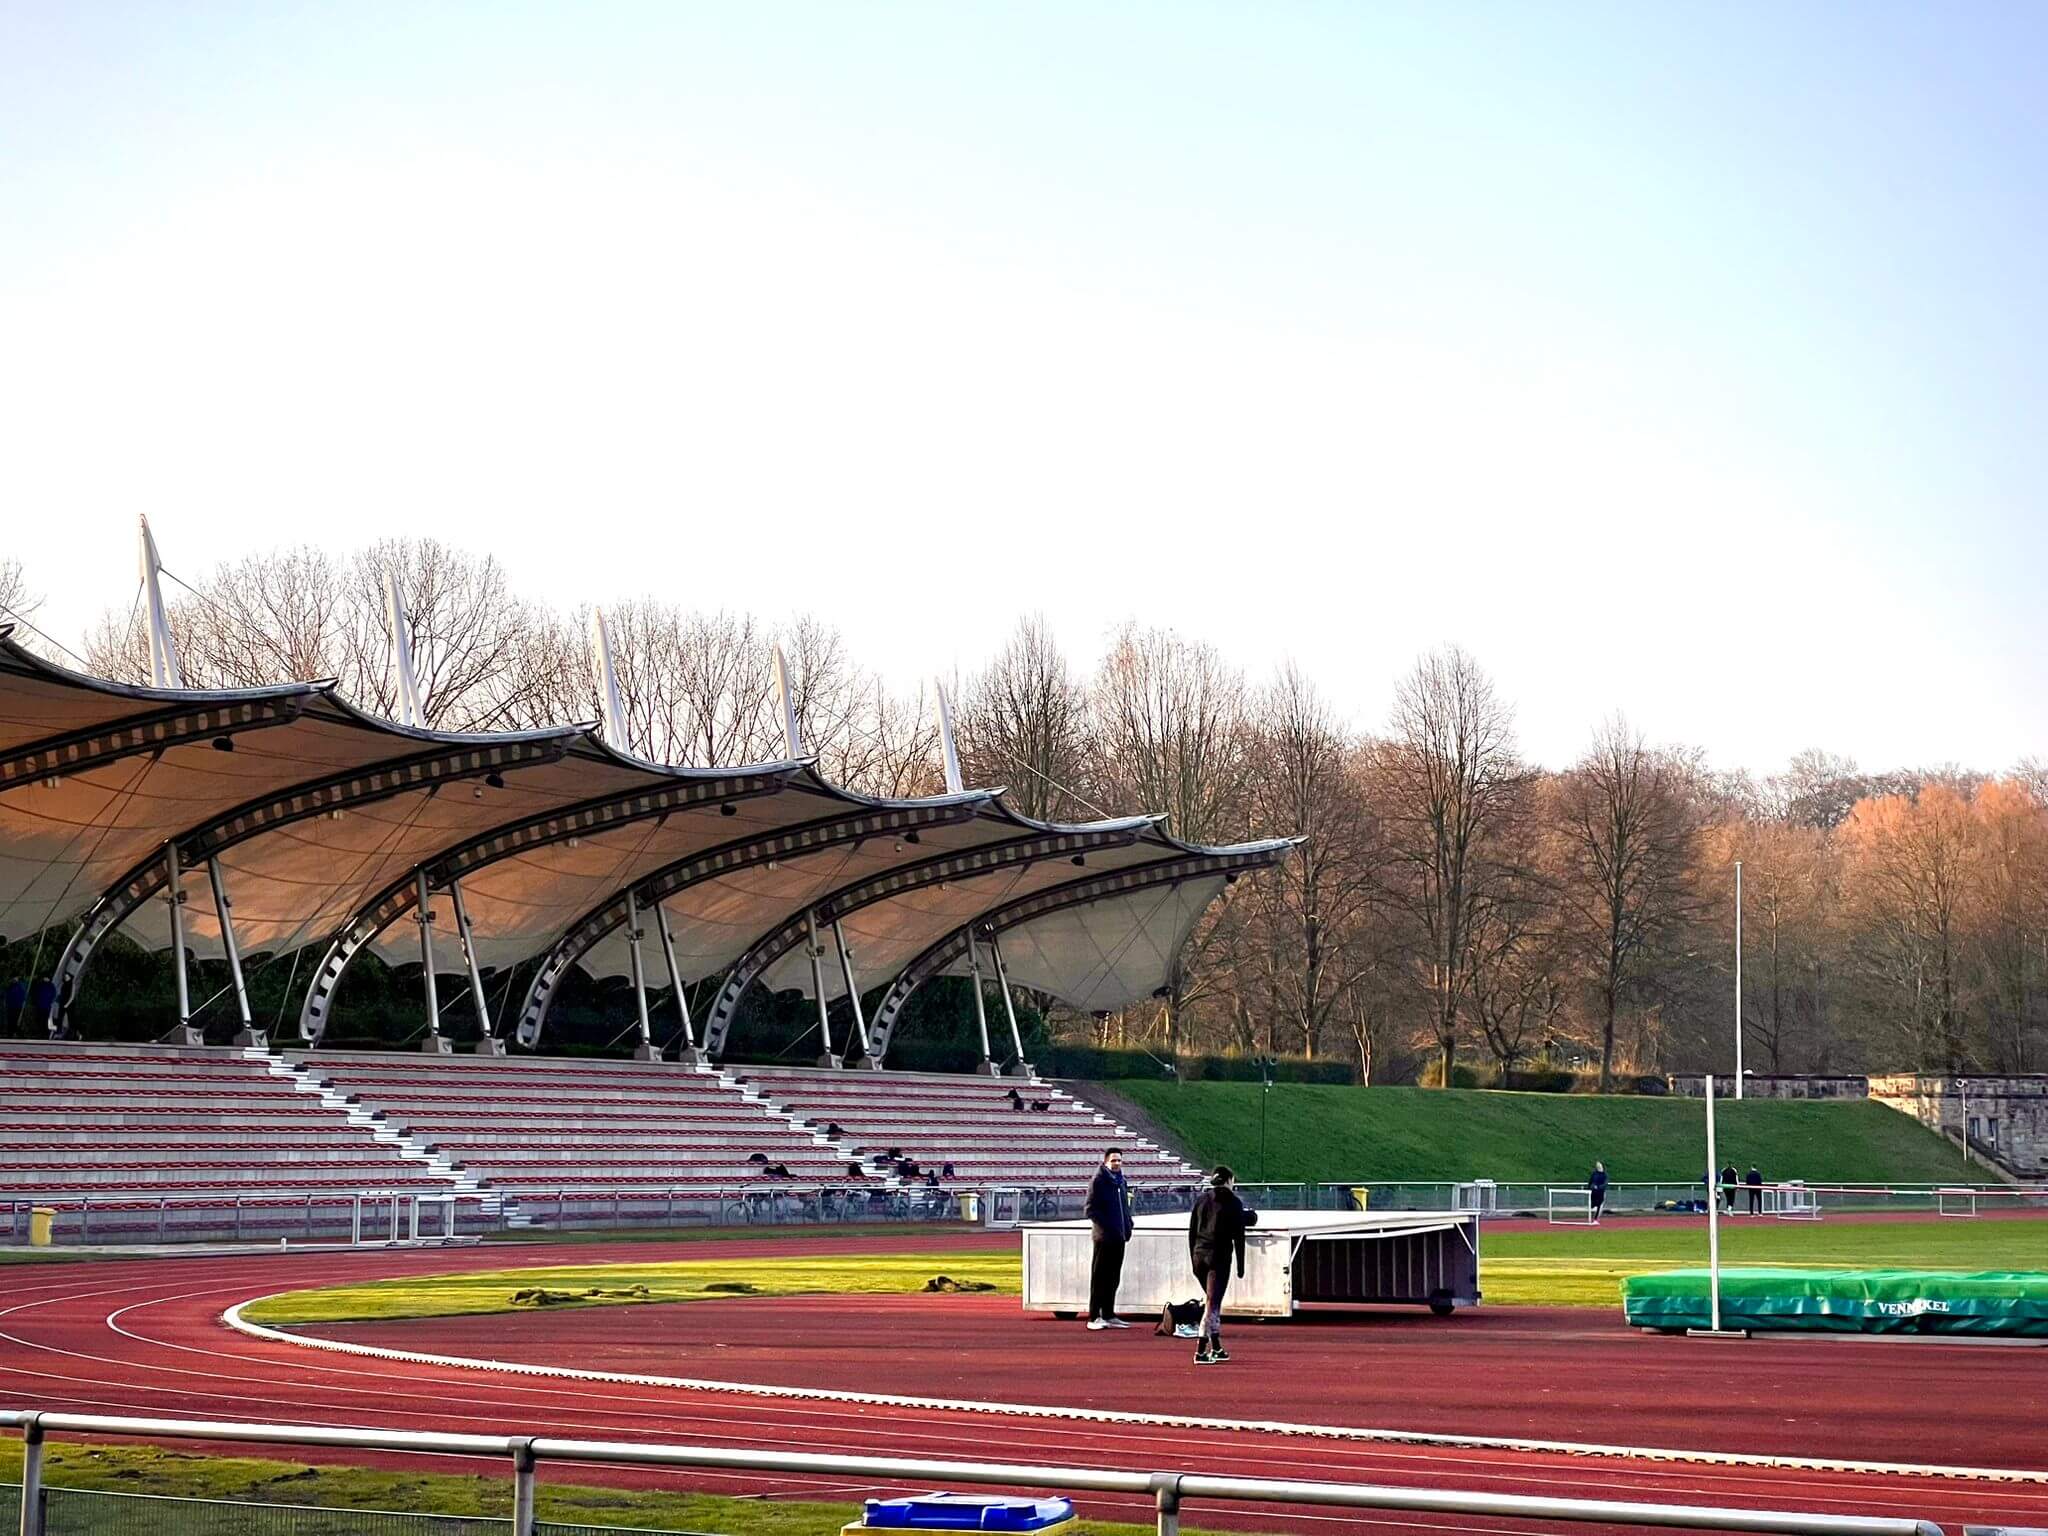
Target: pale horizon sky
[1684, 361]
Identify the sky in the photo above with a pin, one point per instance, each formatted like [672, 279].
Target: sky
[1686, 361]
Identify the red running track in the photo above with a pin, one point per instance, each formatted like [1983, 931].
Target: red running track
[144, 1337]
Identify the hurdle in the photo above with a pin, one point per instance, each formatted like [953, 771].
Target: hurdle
[1791, 1202]
[1956, 1202]
[1568, 1207]
[1004, 1209]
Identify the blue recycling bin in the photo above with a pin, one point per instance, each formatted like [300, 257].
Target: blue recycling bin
[964, 1512]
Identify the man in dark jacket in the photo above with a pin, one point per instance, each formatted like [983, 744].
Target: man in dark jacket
[1596, 1188]
[1109, 1214]
[1216, 1231]
[1755, 1180]
[1729, 1179]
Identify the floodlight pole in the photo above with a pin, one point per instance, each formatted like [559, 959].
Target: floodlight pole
[1963, 1088]
[1738, 978]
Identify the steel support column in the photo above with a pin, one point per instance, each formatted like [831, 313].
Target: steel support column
[1018, 1065]
[860, 1024]
[645, 1050]
[433, 1045]
[980, 1007]
[827, 1059]
[233, 950]
[174, 877]
[688, 1050]
[487, 1043]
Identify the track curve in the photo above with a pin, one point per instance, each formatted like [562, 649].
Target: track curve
[143, 1336]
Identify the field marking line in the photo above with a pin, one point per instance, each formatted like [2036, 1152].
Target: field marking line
[234, 1319]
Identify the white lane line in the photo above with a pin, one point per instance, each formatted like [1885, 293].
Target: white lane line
[234, 1319]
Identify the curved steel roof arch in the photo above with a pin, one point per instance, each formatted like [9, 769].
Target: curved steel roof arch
[875, 820]
[428, 771]
[152, 720]
[673, 791]
[1043, 841]
[1188, 863]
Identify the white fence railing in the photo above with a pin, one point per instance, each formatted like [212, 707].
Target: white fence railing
[1167, 1490]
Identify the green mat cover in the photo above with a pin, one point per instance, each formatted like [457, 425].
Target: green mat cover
[1845, 1301]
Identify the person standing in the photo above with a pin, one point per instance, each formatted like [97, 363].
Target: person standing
[17, 999]
[1216, 1229]
[1755, 1181]
[1729, 1179]
[1109, 1218]
[1596, 1186]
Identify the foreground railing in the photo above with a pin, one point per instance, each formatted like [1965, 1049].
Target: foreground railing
[1168, 1491]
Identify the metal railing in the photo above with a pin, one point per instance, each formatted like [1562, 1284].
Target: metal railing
[1168, 1491]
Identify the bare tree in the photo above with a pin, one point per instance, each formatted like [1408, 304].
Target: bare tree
[2010, 919]
[1910, 861]
[1629, 842]
[1024, 724]
[1169, 736]
[16, 601]
[1448, 773]
[1304, 915]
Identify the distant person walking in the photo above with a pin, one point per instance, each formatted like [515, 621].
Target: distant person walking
[1729, 1179]
[1109, 1217]
[1755, 1181]
[1216, 1229]
[1596, 1186]
[17, 999]
[42, 997]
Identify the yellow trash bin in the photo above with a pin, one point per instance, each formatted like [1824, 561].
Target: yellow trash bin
[970, 1205]
[1361, 1197]
[40, 1219]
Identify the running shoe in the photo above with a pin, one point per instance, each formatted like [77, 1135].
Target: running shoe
[1097, 1324]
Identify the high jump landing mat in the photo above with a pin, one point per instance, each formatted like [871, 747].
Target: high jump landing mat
[1989, 1304]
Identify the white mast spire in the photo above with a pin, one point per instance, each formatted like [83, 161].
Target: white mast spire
[792, 737]
[954, 783]
[409, 711]
[609, 698]
[163, 654]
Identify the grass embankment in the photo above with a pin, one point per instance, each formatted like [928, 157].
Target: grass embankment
[1584, 1266]
[1316, 1133]
[143, 1469]
[633, 1284]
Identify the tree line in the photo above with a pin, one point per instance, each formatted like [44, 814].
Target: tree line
[1451, 906]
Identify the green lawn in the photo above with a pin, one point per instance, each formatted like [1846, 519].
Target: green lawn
[146, 1469]
[1316, 1133]
[1584, 1266]
[629, 1284]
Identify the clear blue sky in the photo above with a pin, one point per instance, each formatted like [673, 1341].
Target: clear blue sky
[1684, 360]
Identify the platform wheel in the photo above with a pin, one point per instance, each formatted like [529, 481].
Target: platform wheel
[1066, 1317]
[1441, 1308]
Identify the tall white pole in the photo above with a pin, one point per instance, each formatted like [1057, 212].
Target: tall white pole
[949, 752]
[1713, 1216]
[410, 711]
[785, 702]
[164, 671]
[818, 989]
[1738, 978]
[610, 702]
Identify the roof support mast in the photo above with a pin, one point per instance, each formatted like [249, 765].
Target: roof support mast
[164, 672]
[988, 1066]
[411, 713]
[826, 1058]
